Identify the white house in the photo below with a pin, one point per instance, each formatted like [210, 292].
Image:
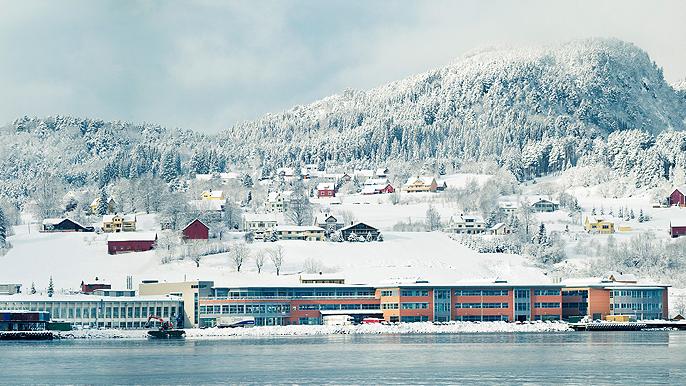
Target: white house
[259, 223]
[466, 224]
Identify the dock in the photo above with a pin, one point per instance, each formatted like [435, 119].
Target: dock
[26, 335]
[629, 326]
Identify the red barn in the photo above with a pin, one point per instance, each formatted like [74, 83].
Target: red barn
[677, 197]
[196, 230]
[326, 189]
[131, 242]
[677, 229]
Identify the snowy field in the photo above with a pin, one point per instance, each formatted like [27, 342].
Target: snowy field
[72, 257]
[302, 330]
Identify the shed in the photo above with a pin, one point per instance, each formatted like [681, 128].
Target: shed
[196, 230]
[131, 242]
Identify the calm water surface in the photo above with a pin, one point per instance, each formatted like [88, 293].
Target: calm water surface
[588, 358]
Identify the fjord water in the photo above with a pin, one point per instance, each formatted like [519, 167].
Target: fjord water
[651, 357]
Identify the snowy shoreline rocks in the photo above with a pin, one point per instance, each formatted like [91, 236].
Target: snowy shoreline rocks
[318, 330]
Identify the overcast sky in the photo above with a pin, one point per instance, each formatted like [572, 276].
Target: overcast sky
[205, 65]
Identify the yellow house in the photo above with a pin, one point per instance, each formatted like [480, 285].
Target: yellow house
[213, 195]
[599, 225]
[420, 184]
[118, 223]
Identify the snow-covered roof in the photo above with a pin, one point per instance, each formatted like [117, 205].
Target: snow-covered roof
[594, 219]
[606, 282]
[325, 186]
[55, 221]
[192, 221]
[425, 180]
[132, 236]
[264, 217]
[497, 226]
[464, 217]
[285, 171]
[376, 181]
[350, 312]
[541, 199]
[215, 205]
[321, 276]
[203, 177]
[364, 173]
[355, 224]
[297, 228]
[677, 223]
[229, 175]
[84, 298]
[321, 218]
[381, 171]
[274, 196]
[508, 205]
[214, 193]
[126, 217]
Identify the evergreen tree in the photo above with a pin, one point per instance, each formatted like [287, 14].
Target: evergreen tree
[641, 218]
[593, 211]
[542, 236]
[170, 169]
[379, 237]
[51, 288]
[3, 229]
[247, 181]
[620, 214]
[369, 237]
[103, 205]
[631, 214]
[33, 288]
[441, 169]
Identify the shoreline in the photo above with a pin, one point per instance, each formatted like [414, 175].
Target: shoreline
[322, 330]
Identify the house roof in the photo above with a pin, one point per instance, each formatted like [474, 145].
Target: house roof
[463, 217]
[497, 226]
[214, 193]
[259, 217]
[356, 224]
[677, 223]
[508, 205]
[191, 223]
[376, 181]
[321, 218]
[202, 205]
[125, 217]
[56, 221]
[425, 180]
[132, 236]
[540, 199]
[229, 175]
[373, 188]
[597, 219]
[325, 186]
[273, 196]
[381, 171]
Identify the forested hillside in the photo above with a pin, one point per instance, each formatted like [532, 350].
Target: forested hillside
[533, 112]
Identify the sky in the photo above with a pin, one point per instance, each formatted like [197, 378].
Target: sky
[205, 65]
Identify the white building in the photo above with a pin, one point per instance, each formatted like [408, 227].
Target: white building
[259, 223]
[278, 201]
[466, 224]
[126, 312]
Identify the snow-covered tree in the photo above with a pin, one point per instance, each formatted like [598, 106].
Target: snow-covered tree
[51, 288]
[299, 207]
[239, 254]
[33, 288]
[259, 261]
[433, 219]
[277, 256]
[3, 229]
[379, 237]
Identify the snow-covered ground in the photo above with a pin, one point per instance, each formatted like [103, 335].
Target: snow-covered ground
[72, 257]
[303, 330]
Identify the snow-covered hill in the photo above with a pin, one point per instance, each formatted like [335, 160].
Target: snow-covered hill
[478, 107]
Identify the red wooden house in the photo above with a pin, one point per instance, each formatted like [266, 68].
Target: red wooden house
[326, 189]
[130, 242]
[88, 288]
[677, 197]
[196, 230]
[677, 229]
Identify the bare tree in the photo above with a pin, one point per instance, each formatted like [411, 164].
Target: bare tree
[348, 217]
[196, 253]
[433, 219]
[299, 207]
[239, 255]
[311, 265]
[276, 255]
[259, 260]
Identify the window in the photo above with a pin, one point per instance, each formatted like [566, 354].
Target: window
[414, 293]
[414, 306]
[546, 292]
[546, 305]
[389, 306]
[387, 293]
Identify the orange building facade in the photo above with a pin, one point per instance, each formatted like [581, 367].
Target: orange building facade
[420, 302]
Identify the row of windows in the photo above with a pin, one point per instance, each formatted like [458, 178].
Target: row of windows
[389, 306]
[388, 293]
[414, 293]
[546, 305]
[314, 307]
[291, 293]
[92, 311]
[481, 292]
[228, 309]
[547, 292]
[482, 305]
[412, 319]
[649, 294]
[637, 306]
[577, 306]
[482, 318]
[414, 306]
[583, 293]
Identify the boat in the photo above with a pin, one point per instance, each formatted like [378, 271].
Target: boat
[165, 331]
